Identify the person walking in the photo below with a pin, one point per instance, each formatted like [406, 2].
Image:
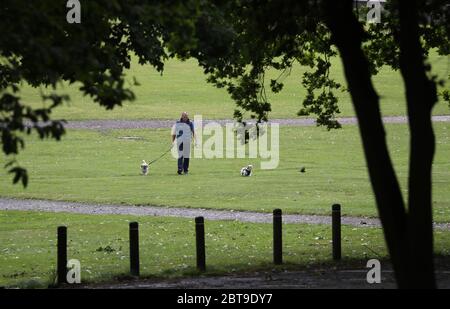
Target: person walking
[183, 132]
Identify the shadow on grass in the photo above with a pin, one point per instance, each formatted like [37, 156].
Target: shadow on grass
[241, 270]
[442, 263]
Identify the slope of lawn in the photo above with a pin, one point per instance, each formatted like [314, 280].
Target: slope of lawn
[183, 87]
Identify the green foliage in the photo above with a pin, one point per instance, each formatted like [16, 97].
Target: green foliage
[265, 41]
[323, 105]
[446, 96]
[276, 35]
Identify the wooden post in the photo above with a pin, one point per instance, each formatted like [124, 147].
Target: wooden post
[336, 231]
[134, 249]
[62, 255]
[200, 243]
[277, 237]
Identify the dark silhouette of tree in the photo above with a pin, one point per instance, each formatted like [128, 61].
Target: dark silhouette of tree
[421, 97]
[281, 33]
[408, 233]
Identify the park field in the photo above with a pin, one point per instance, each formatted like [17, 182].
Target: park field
[183, 87]
[167, 247]
[103, 167]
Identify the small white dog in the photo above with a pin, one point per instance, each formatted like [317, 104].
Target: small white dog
[247, 171]
[144, 168]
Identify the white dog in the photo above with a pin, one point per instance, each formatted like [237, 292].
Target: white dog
[144, 168]
[247, 171]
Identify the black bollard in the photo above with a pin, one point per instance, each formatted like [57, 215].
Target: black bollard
[62, 255]
[134, 249]
[336, 231]
[200, 243]
[277, 237]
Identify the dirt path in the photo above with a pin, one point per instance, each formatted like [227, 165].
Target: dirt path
[208, 214]
[336, 276]
[155, 124]
[315, 278]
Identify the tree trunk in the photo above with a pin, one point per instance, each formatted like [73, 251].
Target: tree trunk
[421, 97]
[347, 35]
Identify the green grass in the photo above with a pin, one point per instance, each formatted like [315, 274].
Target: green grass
[167, 246]
[183, 87]
[91, 166]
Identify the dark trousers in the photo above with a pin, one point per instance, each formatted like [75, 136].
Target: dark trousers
[183, 164]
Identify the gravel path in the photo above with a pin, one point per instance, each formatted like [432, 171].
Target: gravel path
[156, 124]
[208, 214]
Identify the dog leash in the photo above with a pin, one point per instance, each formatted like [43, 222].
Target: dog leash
[162, 154]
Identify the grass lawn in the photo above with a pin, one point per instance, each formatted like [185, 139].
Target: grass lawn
[167, 246]
[183, 87]
[100, 167]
